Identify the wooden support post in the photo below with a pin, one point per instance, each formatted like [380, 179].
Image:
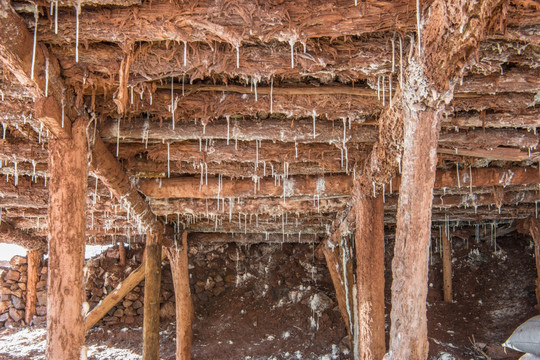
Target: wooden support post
[343, 281]
[152, 286]
[532, 226]
[408, 335]
[34, 261]
[447, 266]
[68, 166]
[122, 253]
[178, 259]
[369, 239]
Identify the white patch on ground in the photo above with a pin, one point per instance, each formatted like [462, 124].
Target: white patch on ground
[106, 352]
[24, 344]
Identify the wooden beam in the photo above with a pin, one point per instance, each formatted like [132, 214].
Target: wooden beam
[67, 222]
[114, 297]
[34, 262]
[447, 266]
[532, 226]
[369, 240]
[178, 258]
[152, 290]
[252, 238]
[12, 235]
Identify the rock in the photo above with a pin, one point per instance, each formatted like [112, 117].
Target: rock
[18, 293]
[130, 312]
[41, 284]
[230, 278]
[44, 270]
[22, 286]
[218, 278]
[23, 268]
[127, 303]
[218, 290]
[320, 302]
[4, 317]
[17, 260]
[132, 297]
[110, 319]
[15, 314]
[137, 304]
[128, 319]
[41, 310]
[140, 311]
[210, 283]
[23, 278]
[167, 311]
[17, 302]
[119, 313]
[12, 275]
[4, 306]
[42, 298]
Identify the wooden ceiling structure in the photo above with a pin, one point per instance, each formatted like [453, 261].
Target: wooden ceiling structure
[268, 121]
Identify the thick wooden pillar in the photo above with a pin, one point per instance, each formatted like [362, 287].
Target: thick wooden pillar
[533, 227]
[33, 258]
[152, 287]
[447, 267]
[184, 306]
[68, 166]
[369, 239]
[408, 334]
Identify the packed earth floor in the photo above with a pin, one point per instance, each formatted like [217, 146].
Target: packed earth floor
[277, 302]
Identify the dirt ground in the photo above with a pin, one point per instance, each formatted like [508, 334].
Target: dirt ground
[277, 302]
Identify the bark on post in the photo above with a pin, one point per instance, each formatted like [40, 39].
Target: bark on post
[67, 198]
[122, 253]
[152, 287]
[34, 260]
[532, 226]
[369, 240]
[447, 267]
[184, 306]
[408, 335]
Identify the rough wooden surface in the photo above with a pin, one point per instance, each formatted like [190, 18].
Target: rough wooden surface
[34, 264]
[178, 258]
[152, 288]
[447, 267]
[67, 222]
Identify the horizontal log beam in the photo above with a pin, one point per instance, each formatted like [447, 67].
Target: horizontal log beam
[240, 238]
[11, 235]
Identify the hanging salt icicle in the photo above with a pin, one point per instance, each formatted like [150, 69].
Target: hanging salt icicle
[118, 137]
[56, 17]
[470, 180]
[272, 95]
[400, 62]
[295, 148]
[237, 56]
[183, 81]
[16, 174]
[383, 92]
[228, 125]
[46, 76]
[291, 43]
[314, 115]
[418, 26]
[256, 154]
[255, 88]
[205, 173]
[393, 56]
[36, 18]
[4, 128]
[374, 190]
[131, 95]
[168, 160]
[77, 14]
[172, 101]
[383, 193]
[379, 88]
[458, 178]
[185, 53]
[95, 190]
[33, 177]
[390, 86]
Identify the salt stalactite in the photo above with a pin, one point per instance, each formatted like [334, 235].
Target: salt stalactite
[374, 189]
[314, 115]
[118, 137]
[400, 62]
[183, 81]
[256, 154]
[131, 95]
[272, 95]
[418, 26]
[470, 180]
[4, 128]
[228, 125]
[63, 113]
[291, 43]
[168, 160]
[185, 53]
[46, 76]
[295, 148]
[237, 56]
[383, 93]
[390, 86]
[16, 173]
[56, 17]
[95, 189]
[77, 14]
[255, 88]
[393, 55]
[379, 88]
[458, 178]
[36, 18]
[172, 101]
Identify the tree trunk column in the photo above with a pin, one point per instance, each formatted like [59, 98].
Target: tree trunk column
[447, 266]
[68, 166]
[369, 239]
[184, 306]
[34, 261]
[152, 287]
[408, 335]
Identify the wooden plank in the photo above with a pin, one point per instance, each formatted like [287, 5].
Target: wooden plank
[178, 258]
[369, 240]
[67, 223]
[152, 290]
[447, 266]
[34, 262]
[12, 235]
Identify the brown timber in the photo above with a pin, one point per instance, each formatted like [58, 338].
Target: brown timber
[152, 288]
[447, 266]
[34, 262]
[68, 163]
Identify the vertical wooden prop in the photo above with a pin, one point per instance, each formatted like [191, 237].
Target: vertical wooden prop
[34, 262]
[408, 334]
[184, 306]
[533, 227]
[343, 281]
[369, 239]
[447, 267]
[68, 166]
[152, 287]
[122, 253]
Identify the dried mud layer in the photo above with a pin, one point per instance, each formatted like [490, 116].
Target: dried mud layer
[277, 302]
